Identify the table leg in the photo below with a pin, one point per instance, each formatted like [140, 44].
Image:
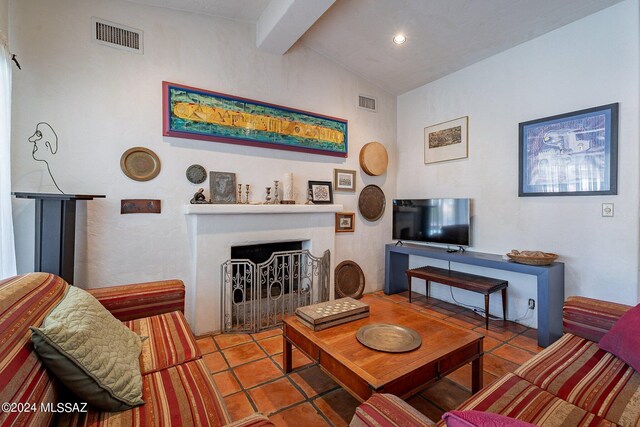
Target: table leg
[477, 372]
[486, 310]
[286, 355]
[504, 303]
[409, 286]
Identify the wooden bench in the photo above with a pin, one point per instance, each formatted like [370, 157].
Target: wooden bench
[469, 282]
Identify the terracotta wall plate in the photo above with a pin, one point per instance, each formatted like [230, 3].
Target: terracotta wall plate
[349, 280]
[374, 159]
[371, 202]
[140, 164]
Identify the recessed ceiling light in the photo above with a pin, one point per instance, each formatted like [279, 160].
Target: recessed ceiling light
[399, 39]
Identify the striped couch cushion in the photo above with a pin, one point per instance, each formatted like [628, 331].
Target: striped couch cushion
[515, 397]
[139, 300]
[576, 370]
[590, 318]
[25, 301]
[170, 341]
[183, 395]
[386, 410]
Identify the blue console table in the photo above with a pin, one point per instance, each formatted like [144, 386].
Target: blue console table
[550, 280]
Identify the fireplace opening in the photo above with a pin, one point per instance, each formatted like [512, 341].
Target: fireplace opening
[262, 252]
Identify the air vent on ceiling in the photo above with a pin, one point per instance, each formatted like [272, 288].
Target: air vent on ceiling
[117, 35]
[367, 103]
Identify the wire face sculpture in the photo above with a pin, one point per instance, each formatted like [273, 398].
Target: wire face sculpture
[45, 145]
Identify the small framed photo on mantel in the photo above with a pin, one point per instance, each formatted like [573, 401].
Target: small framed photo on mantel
[345, 222]
[447, 141]
[344, 180]
[321, 192]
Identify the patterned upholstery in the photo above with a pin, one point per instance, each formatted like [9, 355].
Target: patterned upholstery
[590, 318]
[183, 395]
[25, 301]
[515, 397]
[170, 341]
[383, 410]
[576, 370]
[142, 300]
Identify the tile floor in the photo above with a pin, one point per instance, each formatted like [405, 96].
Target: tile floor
[247, 369]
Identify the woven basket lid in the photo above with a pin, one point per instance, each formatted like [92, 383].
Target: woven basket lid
[374, 159]
[349, 280]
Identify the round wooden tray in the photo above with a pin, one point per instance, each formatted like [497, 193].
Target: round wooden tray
[196, 174]
[388, 338]
[374, 159]
[542, 258]
[371, 202]
[349, 280]
[140, 164]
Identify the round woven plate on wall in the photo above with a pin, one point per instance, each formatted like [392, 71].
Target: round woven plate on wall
[349, 280]
[374, 159]
[371, 202]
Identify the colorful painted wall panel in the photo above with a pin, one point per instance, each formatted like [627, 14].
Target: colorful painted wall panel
[201, 114]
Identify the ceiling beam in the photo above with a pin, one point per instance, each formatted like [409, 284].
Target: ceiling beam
[283, 22]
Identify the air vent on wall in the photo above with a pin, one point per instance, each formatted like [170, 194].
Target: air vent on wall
[367, 103]
[117, 35]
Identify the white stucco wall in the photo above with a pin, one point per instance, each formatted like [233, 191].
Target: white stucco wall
[588, 63]
[102, 101]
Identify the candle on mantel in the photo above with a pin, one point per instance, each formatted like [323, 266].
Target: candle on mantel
[287, 190]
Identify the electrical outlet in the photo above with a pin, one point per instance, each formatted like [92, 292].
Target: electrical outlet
[532, 303]
[607, 209]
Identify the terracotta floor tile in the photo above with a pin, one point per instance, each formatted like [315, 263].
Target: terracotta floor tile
[459, 322]
[229, 340]
[272, 345]
[300, 415]
[501, 335]
[446, 394]
[489, 343]
[470, 317]
[299, 359]
[258, 372]
[266, 334]
[513, 354]
[497, 365]
[338, 406]
[215, 362]
[239, 406]
[462, 377]
[243, 353]
[530, 344]
[206, 345]
[450, 307]
[443, 311]
[226, 383]
[272, 397]
[411, 306]
[531, 333]
[401, 297]
[425, 407]
[313, 381]
[433, 313]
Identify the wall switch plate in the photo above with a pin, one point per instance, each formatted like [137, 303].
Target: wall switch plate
[607, 209]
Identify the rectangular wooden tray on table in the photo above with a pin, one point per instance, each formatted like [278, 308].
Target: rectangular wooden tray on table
[362, 371]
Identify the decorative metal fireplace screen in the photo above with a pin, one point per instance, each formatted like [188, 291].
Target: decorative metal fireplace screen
[259, 296]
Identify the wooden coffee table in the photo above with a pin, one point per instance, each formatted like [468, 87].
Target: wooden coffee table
[362, 371]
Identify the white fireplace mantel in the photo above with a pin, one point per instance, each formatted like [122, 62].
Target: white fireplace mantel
[214, 229]
[234, 209]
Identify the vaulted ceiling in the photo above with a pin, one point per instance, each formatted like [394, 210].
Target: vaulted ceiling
[443, 36]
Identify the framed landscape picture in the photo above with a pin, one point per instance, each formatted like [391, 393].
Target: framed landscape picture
[446, 141]
[345, 222]
[194, 113]
[572, 154]
[321, 192]
[344, 180]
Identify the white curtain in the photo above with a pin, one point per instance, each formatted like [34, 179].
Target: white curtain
[7, 247]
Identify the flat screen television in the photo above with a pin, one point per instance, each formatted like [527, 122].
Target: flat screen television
[444, 221]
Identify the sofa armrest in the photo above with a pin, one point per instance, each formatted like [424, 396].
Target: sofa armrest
[590, 318]
[387, 410]
[128, 302]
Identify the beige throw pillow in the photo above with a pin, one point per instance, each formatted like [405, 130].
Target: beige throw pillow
[91, 352]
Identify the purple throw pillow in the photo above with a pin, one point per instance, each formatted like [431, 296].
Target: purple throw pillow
[481, 419]
[623, 339]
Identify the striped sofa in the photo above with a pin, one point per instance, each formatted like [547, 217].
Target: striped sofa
[177, 386]
[570, 383]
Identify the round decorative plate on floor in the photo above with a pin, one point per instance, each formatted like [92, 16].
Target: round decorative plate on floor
[389, 338]
[349, 280]
[140, 164]
[374, 159]
[371, 202]
[196, 174]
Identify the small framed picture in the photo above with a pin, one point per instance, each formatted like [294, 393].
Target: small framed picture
[345, 222]
[223, 187]
[321, 192]
[344, 180]
[446, 141]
